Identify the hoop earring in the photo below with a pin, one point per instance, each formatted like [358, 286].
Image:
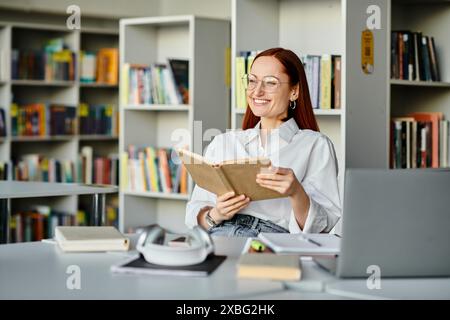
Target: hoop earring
[292, 104]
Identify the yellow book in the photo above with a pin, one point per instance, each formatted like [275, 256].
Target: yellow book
[269, 266]
[241, 101]
[125, 84]
[85, 239]
[124, 171]
[325, 82]
[153, 172]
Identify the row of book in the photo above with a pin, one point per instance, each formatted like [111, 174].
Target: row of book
[98, 119]
[156, 84]
[96, 169]
[323, 74]
[413, 57]
[39, 119]
[43, 65]
[100, 67]
[152, 169]
[420, 140]
[40, 222]
[87, 169]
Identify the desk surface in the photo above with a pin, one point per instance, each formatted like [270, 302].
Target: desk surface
[37, 270]
[31, 189]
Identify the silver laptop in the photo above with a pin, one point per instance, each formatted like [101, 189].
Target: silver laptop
[397, 220]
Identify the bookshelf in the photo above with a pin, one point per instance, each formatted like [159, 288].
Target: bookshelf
[145, 41]
[32, 36]
[305, 27]
[367, 118]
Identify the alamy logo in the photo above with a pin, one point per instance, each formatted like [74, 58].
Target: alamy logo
[374, 20]
[74, 20]
[374, 280]
[73, 282]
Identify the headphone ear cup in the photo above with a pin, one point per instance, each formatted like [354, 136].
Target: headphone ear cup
[155, 234]
[152, 233]
[204, 238]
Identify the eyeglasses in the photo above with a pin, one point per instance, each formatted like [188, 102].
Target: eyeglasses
[269, 83]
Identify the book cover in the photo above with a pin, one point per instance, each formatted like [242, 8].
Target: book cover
[337, 82]
[138, 265]
[180, 71]
[235, 175]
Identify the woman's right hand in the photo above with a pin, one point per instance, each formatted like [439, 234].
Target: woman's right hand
[227, 206]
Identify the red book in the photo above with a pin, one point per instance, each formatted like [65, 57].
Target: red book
[434, 118]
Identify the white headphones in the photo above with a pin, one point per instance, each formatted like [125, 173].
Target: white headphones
[151, 245]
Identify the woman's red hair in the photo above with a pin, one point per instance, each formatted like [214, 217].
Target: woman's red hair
[303, 113]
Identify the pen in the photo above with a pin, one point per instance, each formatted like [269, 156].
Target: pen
[302, 237]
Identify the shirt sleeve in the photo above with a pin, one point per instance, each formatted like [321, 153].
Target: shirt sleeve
[321, 185]
[200, 197]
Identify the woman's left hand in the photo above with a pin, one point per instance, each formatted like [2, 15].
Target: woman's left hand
[279, 179]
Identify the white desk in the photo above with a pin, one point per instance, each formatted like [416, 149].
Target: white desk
[25, 189]
[37, 270]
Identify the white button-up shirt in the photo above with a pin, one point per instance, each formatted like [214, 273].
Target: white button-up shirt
[308, 153]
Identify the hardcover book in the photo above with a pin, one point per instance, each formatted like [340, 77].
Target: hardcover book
[82, 239]
[270, 266]
[233, 175]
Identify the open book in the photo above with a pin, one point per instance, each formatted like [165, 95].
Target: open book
[302, 243]
[233, 175]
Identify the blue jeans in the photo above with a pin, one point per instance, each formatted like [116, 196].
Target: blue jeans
[242, 225]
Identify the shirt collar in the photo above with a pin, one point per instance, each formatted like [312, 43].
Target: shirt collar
[286, 131]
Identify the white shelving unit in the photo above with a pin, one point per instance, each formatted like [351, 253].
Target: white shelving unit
[373, 99]
[305, 27]
[203, 42]
[17, 34]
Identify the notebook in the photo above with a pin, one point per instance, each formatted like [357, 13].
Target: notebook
[82, 239]
[138, 265]
[232, 175]
[302, 243]
[269, 266]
